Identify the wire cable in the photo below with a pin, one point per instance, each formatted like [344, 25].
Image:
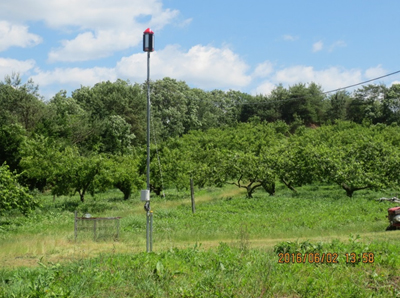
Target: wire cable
[325, 92]
[362, 83]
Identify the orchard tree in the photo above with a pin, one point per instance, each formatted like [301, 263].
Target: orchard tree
[123, 173]
[355, 159]
[243, 156]
[41, 158]
[65, 170]
[248, 171]
[77, 173]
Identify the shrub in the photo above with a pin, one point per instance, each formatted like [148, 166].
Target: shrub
[12, 194]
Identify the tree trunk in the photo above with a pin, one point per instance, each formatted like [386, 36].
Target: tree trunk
[288, 185]
[251, 188]
[350, 190]
[269, 188]
[156, 190]
[82, 195]
[127, 195]
[249, 193]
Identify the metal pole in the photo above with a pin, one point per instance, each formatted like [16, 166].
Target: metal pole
[151, 230]
[148, 120]
[148, 228]
[147, 232]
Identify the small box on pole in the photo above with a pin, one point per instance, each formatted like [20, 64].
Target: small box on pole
[145, 195]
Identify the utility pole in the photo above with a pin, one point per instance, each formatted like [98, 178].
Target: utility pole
[148, 46]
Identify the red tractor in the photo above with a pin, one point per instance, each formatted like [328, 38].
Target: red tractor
[393, 215]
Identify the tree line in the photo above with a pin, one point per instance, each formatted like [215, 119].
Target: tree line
[94, 139]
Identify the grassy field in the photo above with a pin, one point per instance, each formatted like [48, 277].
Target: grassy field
[229, 248]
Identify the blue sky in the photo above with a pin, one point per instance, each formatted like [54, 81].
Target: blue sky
[250, 46]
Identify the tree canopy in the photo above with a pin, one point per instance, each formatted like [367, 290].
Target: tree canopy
[94, 139]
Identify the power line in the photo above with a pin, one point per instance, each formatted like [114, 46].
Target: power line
[326, 92]
[362, 83]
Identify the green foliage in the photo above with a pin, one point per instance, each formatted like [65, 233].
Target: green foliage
[11, 138]
[77, 173]
[202, 136]
[118, 104]
[67, 122]
[258, 155]
[13, 196]
[124, 174]
[354, 157]
[20, 103]
[117, 138]
[337, 105]
[64, 170]
[304, 101]
[366, 104]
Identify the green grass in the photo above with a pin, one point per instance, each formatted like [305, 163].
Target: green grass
[224, 271]
[228, 248]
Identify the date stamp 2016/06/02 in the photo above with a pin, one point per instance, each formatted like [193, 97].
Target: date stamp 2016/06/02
[328, 258]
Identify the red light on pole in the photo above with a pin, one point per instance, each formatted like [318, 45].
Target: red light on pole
[148, 40]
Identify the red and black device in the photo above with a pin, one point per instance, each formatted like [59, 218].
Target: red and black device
[394, 218]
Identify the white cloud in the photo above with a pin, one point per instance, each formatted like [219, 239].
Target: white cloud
[265, 88]
[263, 70]
[16, 35]
[9, 66]
[74, 76]
[101, 27]
[86, 14]
[375, 72]
[289, 37]
[87, 46]
[330, 78]
[204, 66]
[318, 46]
[185, 23]
[337, 44]
[201, 66]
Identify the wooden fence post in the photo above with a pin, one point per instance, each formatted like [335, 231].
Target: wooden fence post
[76, 225]
[192, 195]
